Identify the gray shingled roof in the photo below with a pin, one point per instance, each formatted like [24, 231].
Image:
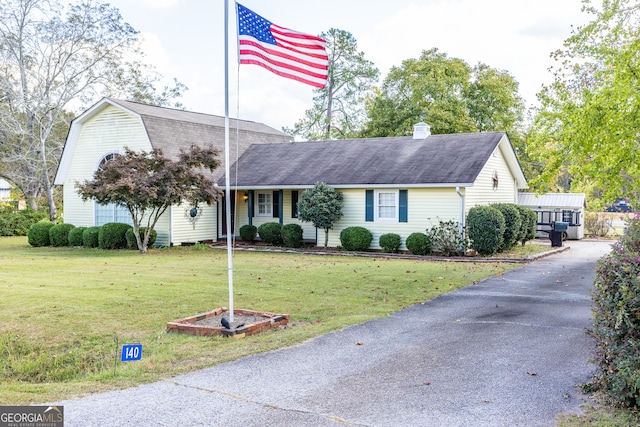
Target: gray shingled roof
[438, 159]
[171, 130]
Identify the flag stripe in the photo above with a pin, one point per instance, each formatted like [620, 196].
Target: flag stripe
[312, 65]
[255, 57]
[285, 52]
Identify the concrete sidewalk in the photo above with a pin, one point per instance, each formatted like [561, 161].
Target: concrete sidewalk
[508, 351]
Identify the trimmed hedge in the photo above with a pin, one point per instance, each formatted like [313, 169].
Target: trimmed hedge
[390, 242]
[485, 227]
[418, 243]
[90, 237]
[248, 232]
[292, 235]
[529, 224]
[38, 234]
[59, 234]
[356, 238]
[512, 224]
[270, 232]
[131, 237]
[112, 235]
[75, 236]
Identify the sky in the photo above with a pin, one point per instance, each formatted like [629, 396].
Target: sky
[185, 39]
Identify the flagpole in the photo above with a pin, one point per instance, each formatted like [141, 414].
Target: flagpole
[226, 156]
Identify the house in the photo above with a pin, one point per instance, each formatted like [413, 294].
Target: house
[550, 207]
[5, 191]
[110, 125]
[397, 184]
[390, 185]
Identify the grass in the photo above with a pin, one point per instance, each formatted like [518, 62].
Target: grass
[64, 308]
[599, 414]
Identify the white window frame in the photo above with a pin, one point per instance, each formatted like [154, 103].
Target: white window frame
[111, 212]
[267, 204]
[377, 205]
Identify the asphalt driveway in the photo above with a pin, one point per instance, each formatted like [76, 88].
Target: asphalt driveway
[508, 351]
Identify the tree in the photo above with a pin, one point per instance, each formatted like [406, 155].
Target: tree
[52, 60]
[146, 184]
[587, 126]
[446, 93]
[338, 110]
[322, 205]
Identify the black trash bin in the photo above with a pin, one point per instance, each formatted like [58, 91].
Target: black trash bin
[558, 228]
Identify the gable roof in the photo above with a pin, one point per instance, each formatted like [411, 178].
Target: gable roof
[438, 160]
[171, 130]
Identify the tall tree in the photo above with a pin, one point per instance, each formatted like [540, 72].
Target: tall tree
[338, 110]
[146, 184]
[587, 126]
[52, 60]
[448, 94]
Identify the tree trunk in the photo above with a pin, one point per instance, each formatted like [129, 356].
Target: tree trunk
[329, 108]
[326, 237]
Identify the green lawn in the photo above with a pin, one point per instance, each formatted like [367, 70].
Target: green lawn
[62, 308]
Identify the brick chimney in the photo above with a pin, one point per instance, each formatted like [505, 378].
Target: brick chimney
[421, 130]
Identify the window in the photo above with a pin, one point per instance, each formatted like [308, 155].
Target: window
[110, 212]
[386, 207]
[263, 204]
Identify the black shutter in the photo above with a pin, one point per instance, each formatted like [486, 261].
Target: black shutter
[294, 204]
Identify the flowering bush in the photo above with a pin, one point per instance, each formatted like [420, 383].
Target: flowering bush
[616, 312]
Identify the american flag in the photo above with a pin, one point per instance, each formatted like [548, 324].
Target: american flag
[285, 52]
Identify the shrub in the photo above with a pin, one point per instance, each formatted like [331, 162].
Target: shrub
[248, 232]
[90, 237]
[512, 224]
[446, 239]
[529, 224]
[616, 304]
[595, 225]
[356, 238]
[390, 242]
[112, 235]
[485, 226]
[131, 237]
[14, 222]
[292, 235]
[38, 234]
[59, 234]
[75, 236]
[270, 232]
[418, 244]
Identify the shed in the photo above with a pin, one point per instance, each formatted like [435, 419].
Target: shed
[566, 207]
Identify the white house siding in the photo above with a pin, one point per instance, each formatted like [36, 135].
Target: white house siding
[426, 208]
[105, 133]
[242, 216]
[483, 192]
[186, 230]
